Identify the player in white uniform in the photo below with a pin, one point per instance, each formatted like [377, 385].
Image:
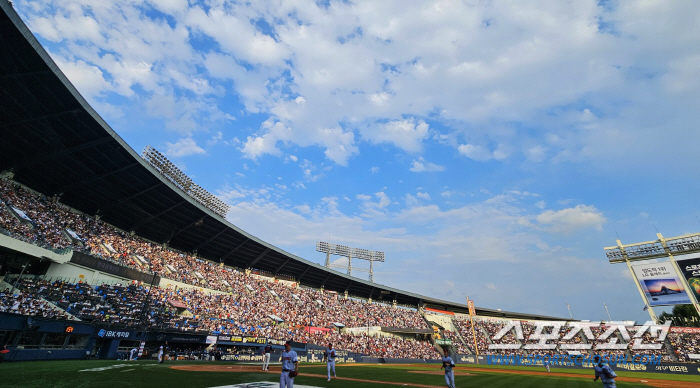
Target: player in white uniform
[132, 355]
[448, 364]
[329, 357]
[547, 361]
[160, 354]
[290, 362]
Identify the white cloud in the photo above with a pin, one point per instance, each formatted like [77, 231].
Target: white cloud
[405, 134]
[303, 209]
[411, 201]
[328, 73]
[184, 147]
[572, 219]
[374, 170]
[482, 154]
[541, 204]
[422, 165]
[536, 153]
[254, 147]
[215, 139]
[424, 196]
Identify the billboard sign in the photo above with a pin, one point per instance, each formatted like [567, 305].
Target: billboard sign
[690, 266]
[661, 284]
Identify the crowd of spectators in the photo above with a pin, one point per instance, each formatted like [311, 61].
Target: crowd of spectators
[192, 309]
[647, 339]
[28, 304]
[458, 345]
[684, 344]
[113, 304]
[28, 216]
[465, 330]
[54, 224]
[493, 328]
[240, 303]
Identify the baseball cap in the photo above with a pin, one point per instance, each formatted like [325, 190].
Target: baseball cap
[288, 343]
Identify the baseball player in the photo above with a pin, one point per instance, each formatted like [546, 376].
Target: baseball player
[132, 355]
[290, 366]
[266, 356]
[546, 362]
[329, 357]
[160, 354]
[605, 373]
[448, 364]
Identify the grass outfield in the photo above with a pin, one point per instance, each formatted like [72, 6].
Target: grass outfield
[73, 374]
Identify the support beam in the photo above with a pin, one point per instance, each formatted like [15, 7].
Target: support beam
[232, 251]
[304, 273]
[145, 220]
[282, 266]
[177, 231]
[31, 161]
[326, 279]
[25, 74]
[132, 196]
[98, 177]
[252, 263]
[649, 309]
[212, 238]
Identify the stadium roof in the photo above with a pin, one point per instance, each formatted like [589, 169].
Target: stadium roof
[55, 143]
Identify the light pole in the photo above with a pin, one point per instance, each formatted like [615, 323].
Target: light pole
[24, 267]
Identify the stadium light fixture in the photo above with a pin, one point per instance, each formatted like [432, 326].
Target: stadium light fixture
[166, 168]
[345, 251]
[681, 245]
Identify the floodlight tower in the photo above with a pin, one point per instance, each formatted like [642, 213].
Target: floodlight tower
[345, 251]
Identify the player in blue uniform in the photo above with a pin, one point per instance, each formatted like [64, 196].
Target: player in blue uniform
[290, 362]
[329, 358]
[606, 374]
[448, 364]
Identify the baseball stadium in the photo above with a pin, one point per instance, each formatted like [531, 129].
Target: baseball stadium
[118, 270]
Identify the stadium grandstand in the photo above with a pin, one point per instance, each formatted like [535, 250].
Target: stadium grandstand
[96, 239]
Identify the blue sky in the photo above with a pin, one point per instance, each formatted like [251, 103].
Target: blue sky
[491, 149]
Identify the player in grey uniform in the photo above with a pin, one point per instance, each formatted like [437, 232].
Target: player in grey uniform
[329, 357]
[290, 362]
[448, 364]
[606, 374]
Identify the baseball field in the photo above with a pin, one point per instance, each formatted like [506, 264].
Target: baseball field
[105, 374]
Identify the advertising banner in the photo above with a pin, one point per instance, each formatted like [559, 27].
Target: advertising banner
[245, 339]
[689, 330]
[690, 266]
[316, 330]
[661, 284]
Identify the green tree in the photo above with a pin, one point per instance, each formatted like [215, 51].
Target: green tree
[683, 315]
